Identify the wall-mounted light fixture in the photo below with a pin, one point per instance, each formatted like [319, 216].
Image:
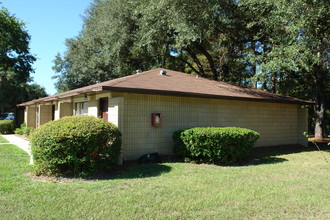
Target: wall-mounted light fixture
[85, 97]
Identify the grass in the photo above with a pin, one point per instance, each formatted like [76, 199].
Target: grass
[3, 140]
[281, 185]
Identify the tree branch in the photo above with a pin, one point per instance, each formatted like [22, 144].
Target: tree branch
[209, 58]
[197, 61]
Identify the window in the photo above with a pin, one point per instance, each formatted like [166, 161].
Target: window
[80, 108]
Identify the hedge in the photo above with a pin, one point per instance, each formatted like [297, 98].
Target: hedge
[7, 127]
[215, 145]
[75, 145]
[23, 130]
[179, 147]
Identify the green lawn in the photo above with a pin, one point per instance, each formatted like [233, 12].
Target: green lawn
[287, 185]
[3, 140]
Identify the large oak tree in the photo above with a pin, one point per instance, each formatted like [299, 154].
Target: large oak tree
[278, 45]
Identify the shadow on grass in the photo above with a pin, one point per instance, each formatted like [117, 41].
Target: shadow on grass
[263, 160]
[133, 172]
[272, 155]
[145, 171]
[259, 156]
[288, 149]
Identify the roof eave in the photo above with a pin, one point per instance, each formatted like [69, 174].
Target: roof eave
[162, 92]
[200, 95]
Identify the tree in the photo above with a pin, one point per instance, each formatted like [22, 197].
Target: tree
[33, 91]
[206, 36]
[121, 36]
[15, 63]
[293, 51]
[278, 45]
[103, 50]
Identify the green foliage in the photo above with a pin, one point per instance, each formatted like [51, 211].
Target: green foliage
[121, 36]
[75, 145]
[179, 147]
[217, 145]
[15, 58]
[277, 45]
[20, 130]
[23, 130]
[6, 126]
[33, 91]
[291, 49]
[15, 63]
[103, 49]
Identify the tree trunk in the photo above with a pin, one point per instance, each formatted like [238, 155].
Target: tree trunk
[225, 72]
[274, 83]
[201, 71]
[320, 125]
[254, 69]
[320, 103]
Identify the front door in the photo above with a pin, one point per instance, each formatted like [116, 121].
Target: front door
[104, 108]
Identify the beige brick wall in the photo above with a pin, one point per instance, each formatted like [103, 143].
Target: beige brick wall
[65, 109]
[30, 119]
[277, 123]
[302, 126]
[45, 114]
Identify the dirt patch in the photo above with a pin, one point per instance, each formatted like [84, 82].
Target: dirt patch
[101, 175]
[317, 140]
[53, 179]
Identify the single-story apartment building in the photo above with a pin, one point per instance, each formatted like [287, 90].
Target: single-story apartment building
[149, 106]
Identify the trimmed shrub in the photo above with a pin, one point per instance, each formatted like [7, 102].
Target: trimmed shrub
[218, 145]
[19, 130]
[75, 145]
[179, 147]
[7, 127]
[23, 130]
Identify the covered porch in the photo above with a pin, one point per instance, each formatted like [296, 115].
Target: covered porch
[102, 105]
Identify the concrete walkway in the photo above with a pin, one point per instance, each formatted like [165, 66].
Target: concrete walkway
[20, 142]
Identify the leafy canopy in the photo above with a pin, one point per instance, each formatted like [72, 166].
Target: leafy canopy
[276, 45]
[15, 63]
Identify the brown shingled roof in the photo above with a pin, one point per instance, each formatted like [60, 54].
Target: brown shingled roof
[174, 83]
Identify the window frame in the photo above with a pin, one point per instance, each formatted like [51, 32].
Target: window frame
[80, 108]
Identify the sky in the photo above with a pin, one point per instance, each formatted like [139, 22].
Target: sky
[49, 23]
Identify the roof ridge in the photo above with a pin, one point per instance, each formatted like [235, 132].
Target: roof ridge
[129, 77]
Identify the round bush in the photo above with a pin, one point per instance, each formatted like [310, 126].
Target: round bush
[75, 145]
[220, 145]
[7, 127]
